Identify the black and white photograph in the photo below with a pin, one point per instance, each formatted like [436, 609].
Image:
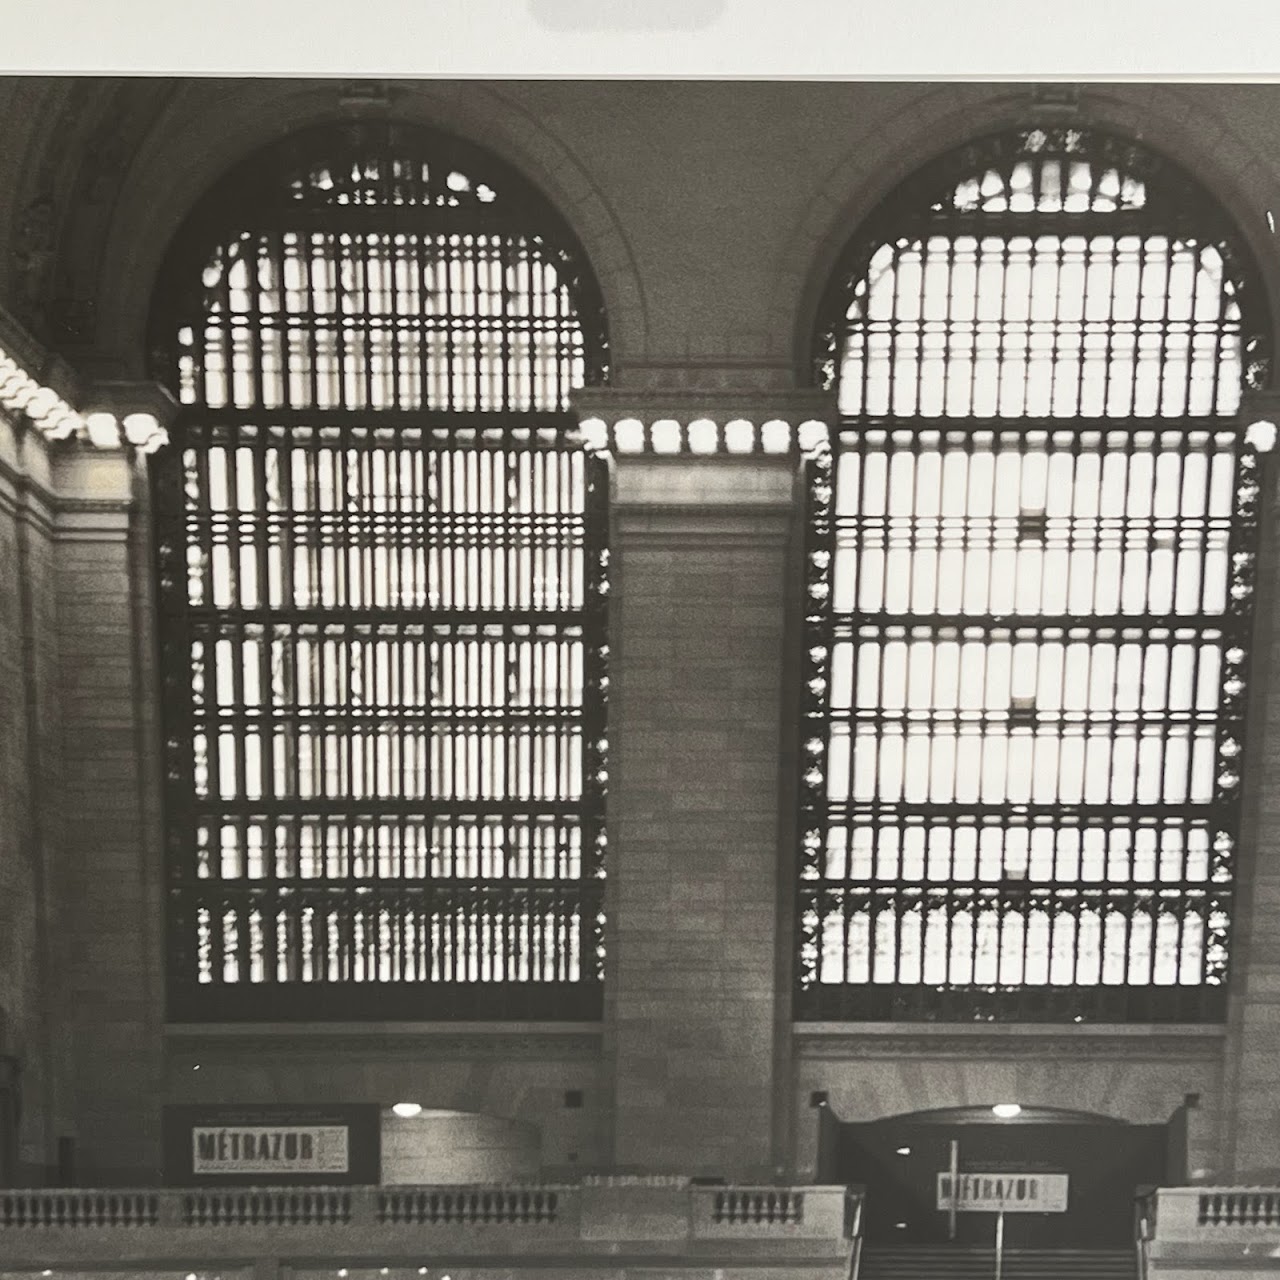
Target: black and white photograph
[657, 667]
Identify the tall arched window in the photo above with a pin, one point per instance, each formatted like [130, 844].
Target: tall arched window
[1030, 576]
[382, 565]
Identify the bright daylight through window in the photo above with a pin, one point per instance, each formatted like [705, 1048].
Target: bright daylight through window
[383, 573]
[1029, 594]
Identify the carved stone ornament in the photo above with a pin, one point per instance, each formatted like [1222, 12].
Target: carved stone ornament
[33, 258]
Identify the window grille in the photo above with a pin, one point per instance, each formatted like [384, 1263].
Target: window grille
[1030, 571]
[383, 565]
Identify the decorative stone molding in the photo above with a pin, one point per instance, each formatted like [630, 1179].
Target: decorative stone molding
[234, 1042]
[1177, 119]
[33, 254]
[23, 395]
[1162, 1046]
[374, 96]
[707, 421]
[1052, 100]
[118, 414]
[1260, 412]
[203, 127]
[46, 392]
[1260, 415]
[82, 134]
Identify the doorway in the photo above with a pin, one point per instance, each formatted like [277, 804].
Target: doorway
[1105, 1161]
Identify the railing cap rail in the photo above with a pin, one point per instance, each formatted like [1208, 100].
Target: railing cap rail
[289, 1188]
[1200, 1189]
[489, 1188]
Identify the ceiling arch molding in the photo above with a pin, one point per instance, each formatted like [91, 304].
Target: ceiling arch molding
[71, 148]
[208, 126]
[884, 152]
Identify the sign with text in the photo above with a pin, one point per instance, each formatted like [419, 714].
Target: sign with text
[1007, 1192]
[285, 1148]
[264, 1144]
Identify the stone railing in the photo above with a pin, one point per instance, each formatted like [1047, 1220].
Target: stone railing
[70, 1209]
[1206, 1230]
[600, 1224]
[1238, 1207]
[533, 1205]
[752, 1206]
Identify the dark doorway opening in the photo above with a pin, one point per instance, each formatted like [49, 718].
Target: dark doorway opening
[898, 1161]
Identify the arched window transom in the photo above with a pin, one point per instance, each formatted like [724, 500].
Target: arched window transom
[1057, 273]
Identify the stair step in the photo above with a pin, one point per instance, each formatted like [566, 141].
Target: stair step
[952, 1263]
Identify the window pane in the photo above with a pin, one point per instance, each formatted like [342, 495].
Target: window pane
[385, 648]
[1031, 599]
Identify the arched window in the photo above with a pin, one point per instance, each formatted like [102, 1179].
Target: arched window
[382, 580]
[1030, 574]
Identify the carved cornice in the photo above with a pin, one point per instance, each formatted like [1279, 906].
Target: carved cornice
[701, 400]
[704, 415]
[43, 390]
[129, 413]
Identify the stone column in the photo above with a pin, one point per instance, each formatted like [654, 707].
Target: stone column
[106, 900]
[29, 769]
[35, 414]
[702, 545]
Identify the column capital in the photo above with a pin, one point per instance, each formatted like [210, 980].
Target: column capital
[41, 389]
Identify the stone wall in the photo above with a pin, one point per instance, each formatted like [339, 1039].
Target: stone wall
[28, 767]
[106, 893]
[711, 213]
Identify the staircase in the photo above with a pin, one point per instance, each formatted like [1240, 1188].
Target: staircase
[957, 1263]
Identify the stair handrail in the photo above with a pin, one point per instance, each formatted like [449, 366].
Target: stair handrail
[854, 1200]
[1146, 1204]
